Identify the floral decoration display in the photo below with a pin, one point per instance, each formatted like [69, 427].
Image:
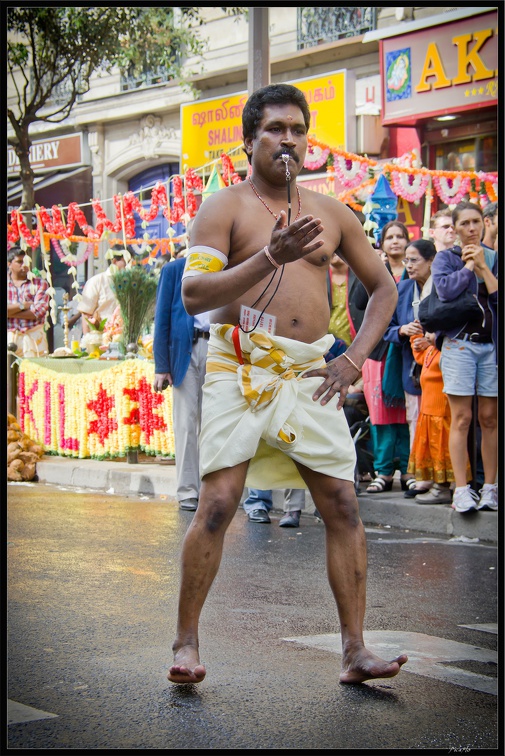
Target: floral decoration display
[451, 189]
[352, 170]
[100, 414]
[316, 156]
[411, 186]
[67, 257]
[349, 172]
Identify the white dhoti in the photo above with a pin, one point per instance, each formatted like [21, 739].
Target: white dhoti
[263, 411]
[30, 343]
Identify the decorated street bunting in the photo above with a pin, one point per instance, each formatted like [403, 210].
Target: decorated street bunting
[357, 173]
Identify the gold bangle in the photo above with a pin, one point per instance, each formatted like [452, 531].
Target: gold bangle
[270, 258]
[344, 354]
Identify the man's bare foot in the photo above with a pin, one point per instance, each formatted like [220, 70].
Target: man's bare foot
[186, 667]
[361, 665]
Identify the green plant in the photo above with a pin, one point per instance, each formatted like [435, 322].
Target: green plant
[135, 289]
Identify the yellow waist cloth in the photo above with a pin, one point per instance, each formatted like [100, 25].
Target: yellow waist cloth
[263, 411]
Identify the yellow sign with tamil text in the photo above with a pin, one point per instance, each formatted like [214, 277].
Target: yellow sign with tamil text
[210, 127]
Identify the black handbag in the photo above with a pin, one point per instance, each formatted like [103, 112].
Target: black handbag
[435, 315]
[415, 374]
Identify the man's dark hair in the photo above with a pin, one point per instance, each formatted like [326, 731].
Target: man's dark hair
[14, 252]
[273, 94]
[490, 210]
[118, 250]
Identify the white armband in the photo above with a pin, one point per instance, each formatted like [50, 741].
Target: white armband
[201, 259]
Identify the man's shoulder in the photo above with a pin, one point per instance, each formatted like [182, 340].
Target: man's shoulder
[227, 194]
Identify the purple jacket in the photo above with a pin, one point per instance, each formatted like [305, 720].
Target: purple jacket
[450, 278]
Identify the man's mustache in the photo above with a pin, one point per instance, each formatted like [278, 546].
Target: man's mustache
[287, 152]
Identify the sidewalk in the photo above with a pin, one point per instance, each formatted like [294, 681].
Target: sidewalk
[153, 478]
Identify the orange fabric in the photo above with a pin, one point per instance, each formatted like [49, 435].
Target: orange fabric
[433, 400]
[429, 456]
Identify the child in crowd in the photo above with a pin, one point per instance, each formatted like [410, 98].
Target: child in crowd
[429, 457]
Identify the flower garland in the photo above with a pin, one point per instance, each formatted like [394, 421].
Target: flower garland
[68, 257]
[349, 172]
[230, 176]
[99, 414]
[408, 182]
[316, 156]
[348, 197]
[408, 185]
[451, 189]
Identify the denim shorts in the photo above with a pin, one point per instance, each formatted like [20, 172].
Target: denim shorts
[469, 368]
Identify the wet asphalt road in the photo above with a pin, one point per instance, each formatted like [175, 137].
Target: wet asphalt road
[92, 594]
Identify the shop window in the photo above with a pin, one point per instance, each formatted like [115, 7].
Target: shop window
[479, 154]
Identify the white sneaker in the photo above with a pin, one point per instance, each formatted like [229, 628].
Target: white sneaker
[488, 497]
[464, 499]
[436, 495]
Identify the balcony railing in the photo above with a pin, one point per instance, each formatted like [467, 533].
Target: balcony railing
[315, 25]
[146, 79]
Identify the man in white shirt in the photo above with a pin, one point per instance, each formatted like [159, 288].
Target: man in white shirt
[98, 300]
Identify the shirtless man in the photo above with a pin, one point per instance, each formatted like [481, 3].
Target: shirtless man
[229, 237]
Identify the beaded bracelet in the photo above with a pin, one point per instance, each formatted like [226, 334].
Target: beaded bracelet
[344, 354]
[270, 258]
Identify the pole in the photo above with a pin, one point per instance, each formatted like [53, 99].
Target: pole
[258, 72]
[12, 383]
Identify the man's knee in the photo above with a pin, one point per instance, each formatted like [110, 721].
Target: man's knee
[341, 505]
[218, 509]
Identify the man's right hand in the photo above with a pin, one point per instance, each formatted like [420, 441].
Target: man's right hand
[162, 381]
[289, 243]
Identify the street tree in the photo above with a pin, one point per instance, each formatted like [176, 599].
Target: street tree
[53, 51]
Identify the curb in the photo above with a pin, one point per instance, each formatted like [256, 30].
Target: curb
[155, 479]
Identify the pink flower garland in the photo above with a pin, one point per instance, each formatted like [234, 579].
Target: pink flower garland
[316, 157]
[410, 186]
[74, 259]
[350, 173]
[453, 193]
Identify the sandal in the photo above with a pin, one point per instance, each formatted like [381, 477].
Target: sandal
[379, 484]
[408, 483]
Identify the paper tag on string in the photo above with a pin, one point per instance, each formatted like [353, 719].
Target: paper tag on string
[249, 318]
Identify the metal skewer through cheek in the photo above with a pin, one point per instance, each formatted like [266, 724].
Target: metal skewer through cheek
[285, 159]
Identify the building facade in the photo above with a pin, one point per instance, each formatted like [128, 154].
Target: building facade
[127, 134]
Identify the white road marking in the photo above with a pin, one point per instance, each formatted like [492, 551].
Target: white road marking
[18, 712]
[490, 627]
[428, 655]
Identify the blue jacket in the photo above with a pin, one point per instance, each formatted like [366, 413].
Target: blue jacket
[173, 327]
[404, 314]
[450, 278]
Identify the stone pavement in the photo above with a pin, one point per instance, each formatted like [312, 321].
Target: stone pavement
[150, 477]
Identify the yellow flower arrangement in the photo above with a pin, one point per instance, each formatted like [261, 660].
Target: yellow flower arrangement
[101, 412]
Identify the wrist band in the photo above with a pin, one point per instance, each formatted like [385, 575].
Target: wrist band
[344, 354]
[270, 258]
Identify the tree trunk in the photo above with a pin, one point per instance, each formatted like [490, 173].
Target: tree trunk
[22, 149]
